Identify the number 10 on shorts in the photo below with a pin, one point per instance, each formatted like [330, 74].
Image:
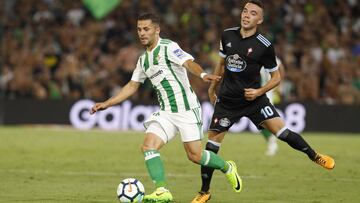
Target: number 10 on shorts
[267, 111]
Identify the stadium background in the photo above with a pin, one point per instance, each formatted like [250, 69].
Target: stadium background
[56, 53]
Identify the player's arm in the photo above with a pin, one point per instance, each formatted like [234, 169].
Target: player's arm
[272, 83]
[219, 70]
[251, 94]
[129, 89]
[196, 69]
[282, 70]
[268, 60]
[180, 57]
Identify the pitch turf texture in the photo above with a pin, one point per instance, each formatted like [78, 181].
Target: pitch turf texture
[66, 165]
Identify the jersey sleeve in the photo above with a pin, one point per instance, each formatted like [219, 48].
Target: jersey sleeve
[177, 55]
[138, 74]
[222, 51]
[268, 60]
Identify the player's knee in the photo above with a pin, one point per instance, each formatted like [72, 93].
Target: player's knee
[146, 147]
[194, 157]
[216, 136]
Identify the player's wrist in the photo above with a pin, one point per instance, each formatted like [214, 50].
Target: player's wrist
[202, 75]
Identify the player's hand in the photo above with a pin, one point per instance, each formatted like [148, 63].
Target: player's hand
[210, 77]
[251, 94]
[212, 96]
[98, 107]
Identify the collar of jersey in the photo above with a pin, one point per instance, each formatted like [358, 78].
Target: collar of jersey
[241, 37]
[158, 43]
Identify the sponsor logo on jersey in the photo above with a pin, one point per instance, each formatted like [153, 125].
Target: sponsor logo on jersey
[228, 44]
[179, 53]
[156, 74]
[224, 122]
[235, 63]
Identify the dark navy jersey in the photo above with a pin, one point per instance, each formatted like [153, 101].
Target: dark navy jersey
[244, 57]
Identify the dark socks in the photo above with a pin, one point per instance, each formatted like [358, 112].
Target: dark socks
[206, 172]
[297, 142]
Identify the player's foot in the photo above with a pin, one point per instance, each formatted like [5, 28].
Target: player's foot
[201, 197]
[233, 177]
[324, 161]
[272, 146]
[160, 195]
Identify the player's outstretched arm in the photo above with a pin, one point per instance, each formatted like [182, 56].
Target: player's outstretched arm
[219, 70]
[196, 69]
[129, 89]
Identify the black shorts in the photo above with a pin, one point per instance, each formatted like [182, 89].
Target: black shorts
[226, 113]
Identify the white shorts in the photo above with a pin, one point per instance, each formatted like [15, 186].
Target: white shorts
[166, 124]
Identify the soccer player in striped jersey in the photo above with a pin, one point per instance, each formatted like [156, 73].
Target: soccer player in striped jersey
[165, 64]
[243, 51]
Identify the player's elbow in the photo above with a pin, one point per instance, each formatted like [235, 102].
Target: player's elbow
[277, 81]
[276, 78]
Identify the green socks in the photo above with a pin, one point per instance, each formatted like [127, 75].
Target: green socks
[210, 159]
[266, 133]
[155, 167]
[156, 170]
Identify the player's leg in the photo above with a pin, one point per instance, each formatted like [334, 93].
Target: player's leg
[266, 134]
[191, 135]
[269, 137]
[155, 167]
[264, 115]
[221, 121]
[212, 145]
[272, 146]
[277, 126]
[196, 154]
[157, 135]
[212, 160]
[150, 148]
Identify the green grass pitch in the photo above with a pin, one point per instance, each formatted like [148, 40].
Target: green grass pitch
[43, 164]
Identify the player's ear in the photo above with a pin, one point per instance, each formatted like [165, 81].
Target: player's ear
[261, 15]
[157, 28]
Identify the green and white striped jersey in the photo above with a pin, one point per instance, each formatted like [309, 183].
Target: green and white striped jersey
[163, 67]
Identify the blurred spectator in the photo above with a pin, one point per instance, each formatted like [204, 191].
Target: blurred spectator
[53, 49]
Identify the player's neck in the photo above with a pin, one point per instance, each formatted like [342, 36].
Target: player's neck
[153, 45]
[247, 33]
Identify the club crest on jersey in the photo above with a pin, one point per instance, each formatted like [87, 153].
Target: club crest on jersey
[235, 63]
[249, 51]
[224, 122]
[179, 53]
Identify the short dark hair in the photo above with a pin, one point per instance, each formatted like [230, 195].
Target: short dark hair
[257, 2]
[150, 16]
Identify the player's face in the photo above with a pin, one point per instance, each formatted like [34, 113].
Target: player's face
[251, 16]
[148, 32]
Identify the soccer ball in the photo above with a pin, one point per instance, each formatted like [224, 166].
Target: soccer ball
[130, 190]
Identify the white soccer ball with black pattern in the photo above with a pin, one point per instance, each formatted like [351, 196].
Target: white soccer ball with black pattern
[130, 190]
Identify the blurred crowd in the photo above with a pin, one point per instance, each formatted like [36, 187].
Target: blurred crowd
[55, 49]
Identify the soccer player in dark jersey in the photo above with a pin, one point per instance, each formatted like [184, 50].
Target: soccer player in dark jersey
[243, 52]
